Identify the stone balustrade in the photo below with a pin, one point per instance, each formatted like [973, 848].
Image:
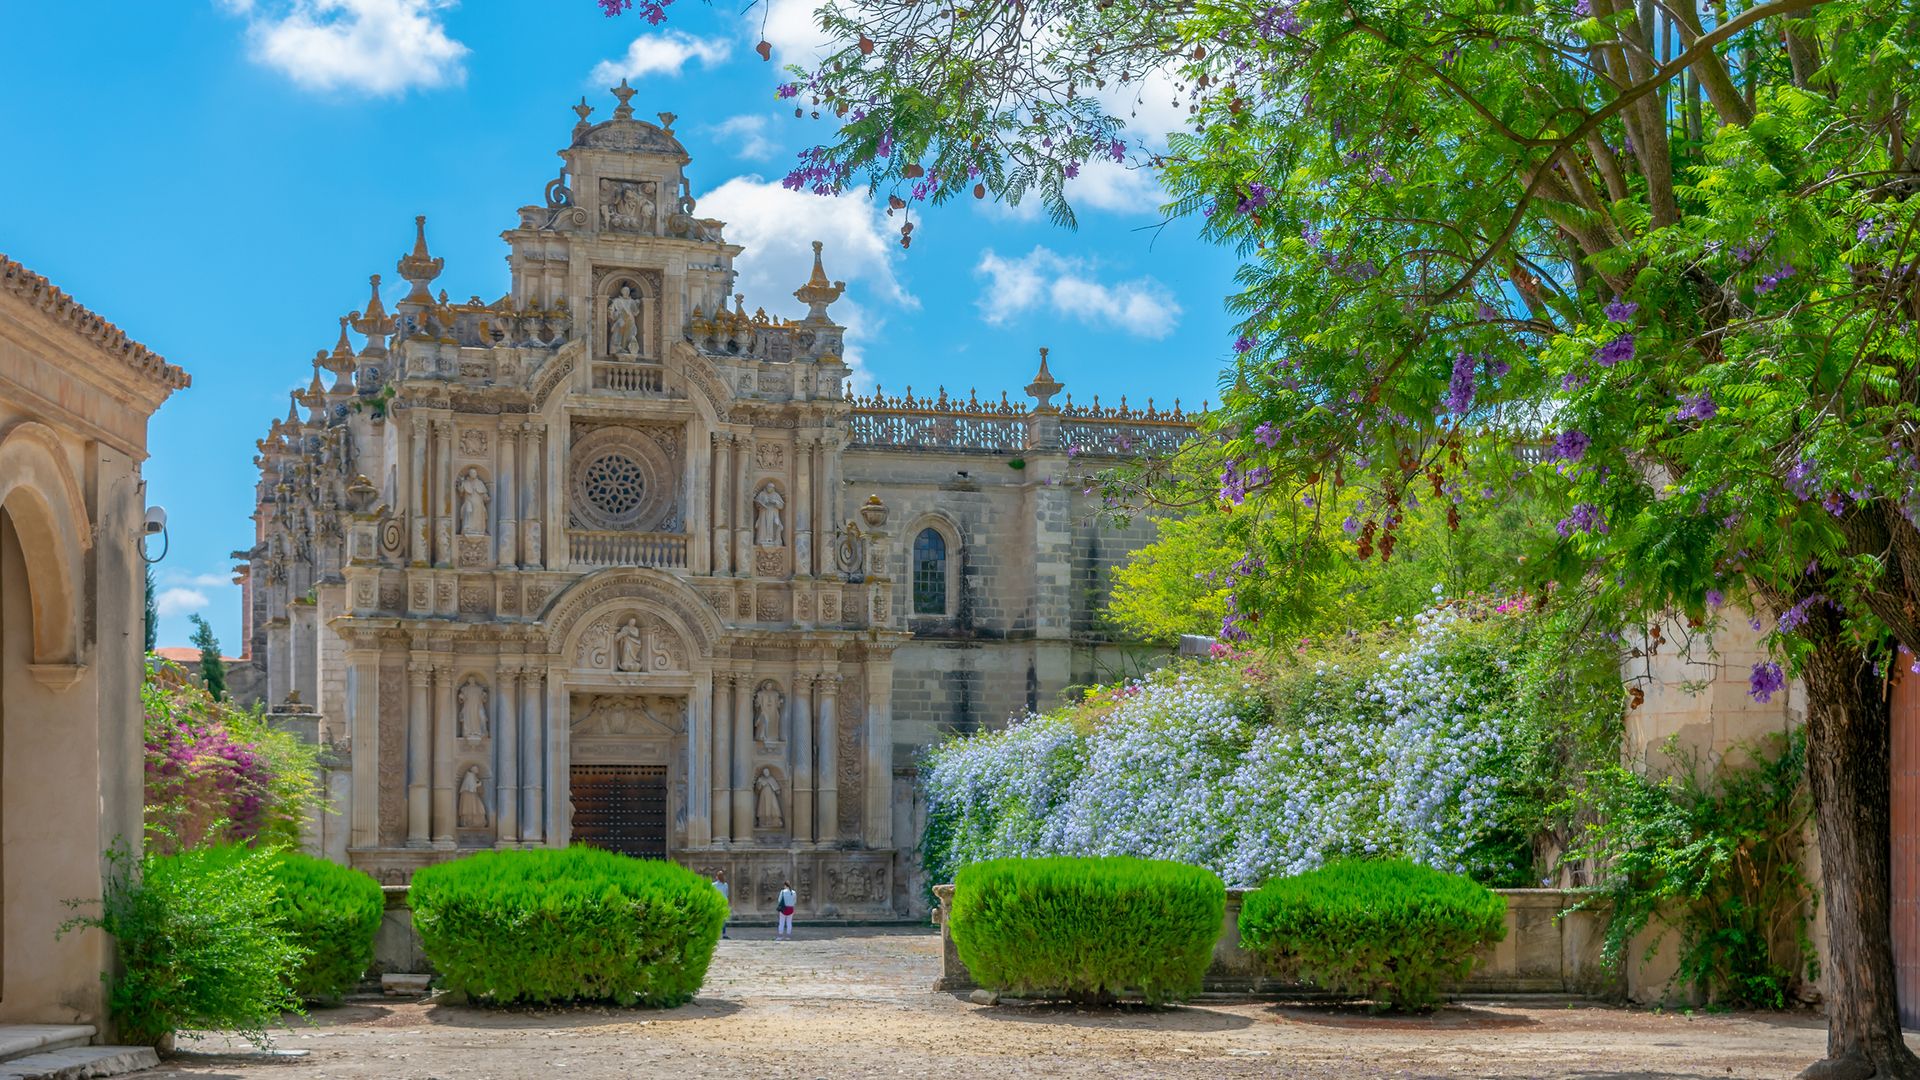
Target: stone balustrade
[948, 423]
[629, 378]
[595, 549]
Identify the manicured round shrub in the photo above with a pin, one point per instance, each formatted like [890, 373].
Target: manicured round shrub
[578, 924]
[1388, 930]
[1087, 929]
[332, 912]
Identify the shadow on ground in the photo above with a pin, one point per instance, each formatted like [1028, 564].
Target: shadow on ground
[1142, 1017]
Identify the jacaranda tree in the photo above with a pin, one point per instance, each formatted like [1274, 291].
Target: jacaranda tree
[1666, 252]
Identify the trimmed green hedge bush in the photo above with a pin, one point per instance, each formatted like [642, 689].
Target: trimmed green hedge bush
[573, 925]
[1388, 930]
[332, 912]
[1087, 929]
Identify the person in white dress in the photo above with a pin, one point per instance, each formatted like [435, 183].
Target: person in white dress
[720, 883]
[784, 904]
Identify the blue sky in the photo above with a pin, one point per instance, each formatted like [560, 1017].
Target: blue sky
[219, 177]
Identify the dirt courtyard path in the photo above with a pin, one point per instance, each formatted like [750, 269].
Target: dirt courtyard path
[857, 1003]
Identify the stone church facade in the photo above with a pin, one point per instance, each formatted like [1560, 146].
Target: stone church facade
[611, 560]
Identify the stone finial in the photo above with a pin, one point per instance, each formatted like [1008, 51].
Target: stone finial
[374, 322]
[1044, 386]
[582, 110]
[817, 293]
[873, 512]
[418, 267]
[342, 359]
[666, 122]
[625, 93]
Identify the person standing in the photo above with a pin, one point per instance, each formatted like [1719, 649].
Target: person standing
[720, 883]
[785, 904]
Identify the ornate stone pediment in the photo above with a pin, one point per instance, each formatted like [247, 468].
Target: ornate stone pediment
[631, 643]
[633, 715]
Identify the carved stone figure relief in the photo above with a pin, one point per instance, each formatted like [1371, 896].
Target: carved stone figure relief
[632, 643]
[473, 504]
[629, 647]
[473, 804]
[768, 529]
[770, 455]
[472, 716]
[473, 442]
[768, 706]
[627, 206]
[637, 715]
[625, 321]
[766, 813]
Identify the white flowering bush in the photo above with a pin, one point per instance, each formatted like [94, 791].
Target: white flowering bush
[1424, 741]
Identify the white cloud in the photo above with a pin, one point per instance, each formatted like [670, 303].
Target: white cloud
[789, 26]
[747, 134]
[370, 46]
[1066, 284]
[1151, 105]
[1101, 185]
[179, 601]
[662, 52]
[778, 228]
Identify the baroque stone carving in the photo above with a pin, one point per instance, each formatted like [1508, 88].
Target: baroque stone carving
[473, 442]
[851, 723]
[856, 884]
[627, 479]
[649, 715]
[768, 529]
[393, 753]
[769, 705]
[473, 599]
[629, 647]
[631, 643]
[625, 318]
[472, 715]
[473, 504]
[473, 804]
[627, 206]
[766, 790]
[769, 562]
[770, 455]
[472, 551]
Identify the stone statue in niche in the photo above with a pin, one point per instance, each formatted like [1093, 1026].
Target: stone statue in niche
[623, 323]
[680, 805]
[767, 703]
[768, 529]
[473, 808]
[473, 504]
[629, 648]
[766, 791]
[473, 710]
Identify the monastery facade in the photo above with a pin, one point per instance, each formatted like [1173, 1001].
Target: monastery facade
[611, 560]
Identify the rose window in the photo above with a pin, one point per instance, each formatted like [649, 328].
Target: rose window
[614, 486]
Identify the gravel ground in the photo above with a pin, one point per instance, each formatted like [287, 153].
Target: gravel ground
[855, 1003]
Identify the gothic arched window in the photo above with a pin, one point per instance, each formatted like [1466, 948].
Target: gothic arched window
[929, 573]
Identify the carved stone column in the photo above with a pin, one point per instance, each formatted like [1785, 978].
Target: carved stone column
[559, 771]
[722, 524]
[443, 779]
[532, 759]
[827, 780]
[743, 759]
[419, 751]
[802, 507]
[722, 725]
[506, 744]
[443, 496]
[420, 487]
[800, 728]
[533, 529]
[879, 764]
[700, 764]
[363, 728]
[507, 534]
[743, 507]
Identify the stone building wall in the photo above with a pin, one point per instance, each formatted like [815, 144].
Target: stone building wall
[611, 558]
[75, 397]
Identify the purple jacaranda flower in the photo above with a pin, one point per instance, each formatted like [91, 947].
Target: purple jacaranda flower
[1613, 352]
[1572, 381]
[1570, 445]
[1697, 408]
[1585, 518]
[1243, 343]
[1311, 234]
[1622, 311]
[1266, 435]
[1460, 386]
[1487, 312]
[1766, 680]
[1351, 526]
[1772, 279]
[1716, 598]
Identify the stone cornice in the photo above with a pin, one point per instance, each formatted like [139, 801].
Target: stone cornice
[41, 294]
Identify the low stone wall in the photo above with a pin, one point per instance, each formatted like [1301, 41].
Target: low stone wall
[1542, 952]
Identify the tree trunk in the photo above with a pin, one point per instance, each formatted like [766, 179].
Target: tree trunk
[1848, 746]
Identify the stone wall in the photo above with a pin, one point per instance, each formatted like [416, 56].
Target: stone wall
[1543, 952]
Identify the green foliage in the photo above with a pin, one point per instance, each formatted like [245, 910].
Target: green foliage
[213, 670]
[1712, 854]
[1386, 930]
[332, 912]
[201, 943]
[218, 772]
[1087, 929]
[573, 925]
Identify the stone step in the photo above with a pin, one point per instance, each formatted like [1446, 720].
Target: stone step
[80, 1063]
[19, 1040]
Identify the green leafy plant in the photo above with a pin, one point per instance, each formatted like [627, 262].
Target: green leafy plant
[201, 941]
[1712, 854]
[572, 925]
[332, 913]
[1088, 929]
[1387, 930]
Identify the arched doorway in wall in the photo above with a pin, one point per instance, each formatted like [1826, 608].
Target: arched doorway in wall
[626, 776]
